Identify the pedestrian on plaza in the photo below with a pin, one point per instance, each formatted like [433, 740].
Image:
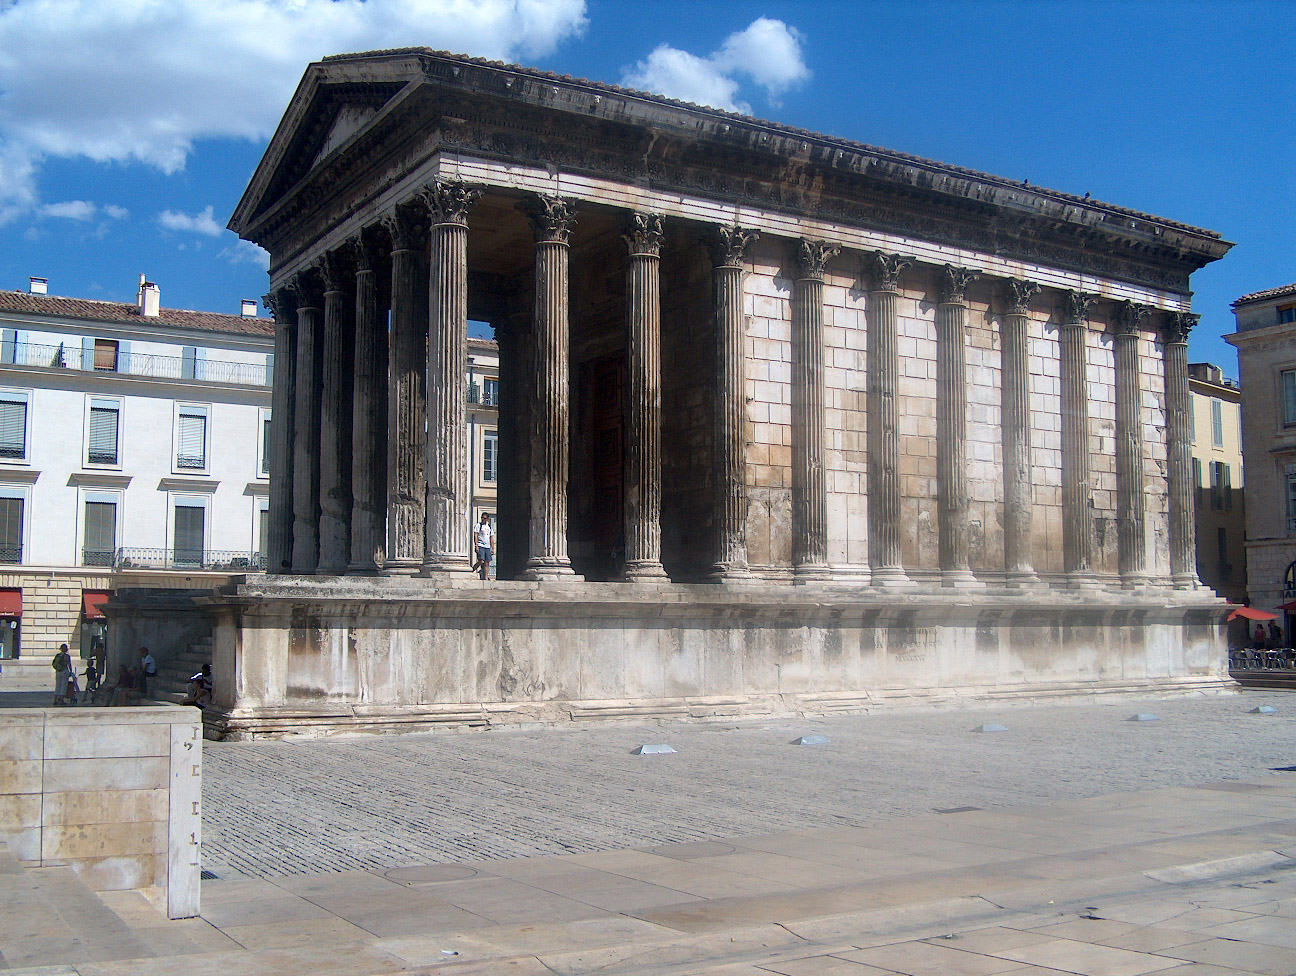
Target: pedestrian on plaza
[1275, 635]
[484, 538]
[200, 686]
[1258, 637]
[62, 665]
[147, 670]
[123, 693]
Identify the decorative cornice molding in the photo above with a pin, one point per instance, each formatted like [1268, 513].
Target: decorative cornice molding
[1018, 293]
[448, 201]
[1178, 325]
[883, 270]
[645, 234]
[813, 258]
[1075, 307]
[1130, 317]
[729, 245]
[551, 217]
[954, 284]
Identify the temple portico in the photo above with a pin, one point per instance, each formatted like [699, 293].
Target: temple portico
[780, 413]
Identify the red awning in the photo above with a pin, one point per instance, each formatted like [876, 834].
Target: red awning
[10, 603]
[1250, 614]
[90, 600]
[1289, 606]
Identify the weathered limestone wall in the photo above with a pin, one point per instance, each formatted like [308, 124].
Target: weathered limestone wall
[298, 654]
[114, 792]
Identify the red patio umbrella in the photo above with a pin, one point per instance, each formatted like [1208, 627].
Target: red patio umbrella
[1250, 614]
[1289, 606]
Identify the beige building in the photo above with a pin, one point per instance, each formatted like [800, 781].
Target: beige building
[483, 425]
[1215, 416]
[1266, 344]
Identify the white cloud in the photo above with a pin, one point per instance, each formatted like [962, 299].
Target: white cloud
[140, 80]
[70, 210]
[116, 212]
[199, 223]
[767, 51]
[245, 252]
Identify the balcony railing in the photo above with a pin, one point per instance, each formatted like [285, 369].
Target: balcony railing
[10, 554]
[68, 356]
[217, 560]
[480, 397]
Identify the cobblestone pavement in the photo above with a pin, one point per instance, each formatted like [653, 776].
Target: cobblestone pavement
[283, 808]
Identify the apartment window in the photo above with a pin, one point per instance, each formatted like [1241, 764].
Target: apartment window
[263, 530]
[13, 426]
[12, 503]
[265, 442]
[1192, 418]
[490, 392]
[1215, 496]
[1217, 423]
[100, 535]
[191, 438]
[1287, 314]
[1197, 481]
[1291, 499]
[1226, 485]
[101, 447]
[9, 343]
[191, 363]
[190, 533]
[1289, 396]
[105, 354]
[490, 456]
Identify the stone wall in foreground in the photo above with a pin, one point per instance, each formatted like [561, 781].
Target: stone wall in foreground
[114, 792]
[304, 654]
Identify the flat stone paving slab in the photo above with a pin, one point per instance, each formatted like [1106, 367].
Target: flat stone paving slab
[298, 807]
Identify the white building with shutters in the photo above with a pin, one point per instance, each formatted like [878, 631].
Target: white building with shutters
[133, 452]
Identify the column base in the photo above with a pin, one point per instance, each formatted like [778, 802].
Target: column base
[402, 567]
[540, 569]
[645, 571]
[726, 572]
[811, 573]
[1022, 579]
[1082, 581]
[364, 569]
[1140, 581]
[891, 578]
[1185, 581]
[446, 566]
[960, 579]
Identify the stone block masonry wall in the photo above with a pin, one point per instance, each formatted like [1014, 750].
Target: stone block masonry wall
[1152, 388]
[846, 399]
[919, 536]
[114, 792]
[1101, 374]
[984, 438]
[1046, 444]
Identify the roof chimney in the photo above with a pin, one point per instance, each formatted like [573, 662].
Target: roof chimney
[250, 307]
[149, 298]
[38, 286]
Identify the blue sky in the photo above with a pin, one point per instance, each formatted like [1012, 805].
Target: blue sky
[129, 129]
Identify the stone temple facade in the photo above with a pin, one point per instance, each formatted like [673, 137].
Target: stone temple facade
[789, 422]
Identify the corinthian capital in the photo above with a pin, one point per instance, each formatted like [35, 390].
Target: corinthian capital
[1178, 325]
[813, 258]
[954, 284]
[403, 231]
[1075, 307]
[305, 288]
[551, 218]
[645, 234]
[1018, 293]
[280, 304]
[448, 201]
[1130, 317]
[884, 270]
[729, 245]
[335, 269]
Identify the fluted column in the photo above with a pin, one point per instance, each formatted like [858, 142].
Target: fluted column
[449, 534]
[1016, 426]
[552, 219]
[729, 247]
[809, 488]
[884, 420]
[1077, 515]
[1182, 528]
[406, 369]
[306, 427]
[369, 418]
[1131, 540]
[643, 489]
[335, 417]
[280, 528]
[951, 426]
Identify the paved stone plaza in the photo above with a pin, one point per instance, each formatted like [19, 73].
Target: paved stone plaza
[281, 808]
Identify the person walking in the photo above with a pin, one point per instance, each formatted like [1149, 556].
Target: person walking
[485, 541]
[147, 670]
[62, 665]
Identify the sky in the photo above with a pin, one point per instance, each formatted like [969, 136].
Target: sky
[128, 130]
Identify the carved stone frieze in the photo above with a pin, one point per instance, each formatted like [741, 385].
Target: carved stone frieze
[954, 284]
[883, 270]
[551, 218]
[813, 258]
[1075, 307]
[448, 201]
[645, 234]
[729, 245]
[1018, 294]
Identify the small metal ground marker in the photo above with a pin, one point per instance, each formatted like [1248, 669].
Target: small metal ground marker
[811, 740]
[991, 727]
[1144, 717]
[958, 810]
[652, 749]
[208, 876]
[1264, 710]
